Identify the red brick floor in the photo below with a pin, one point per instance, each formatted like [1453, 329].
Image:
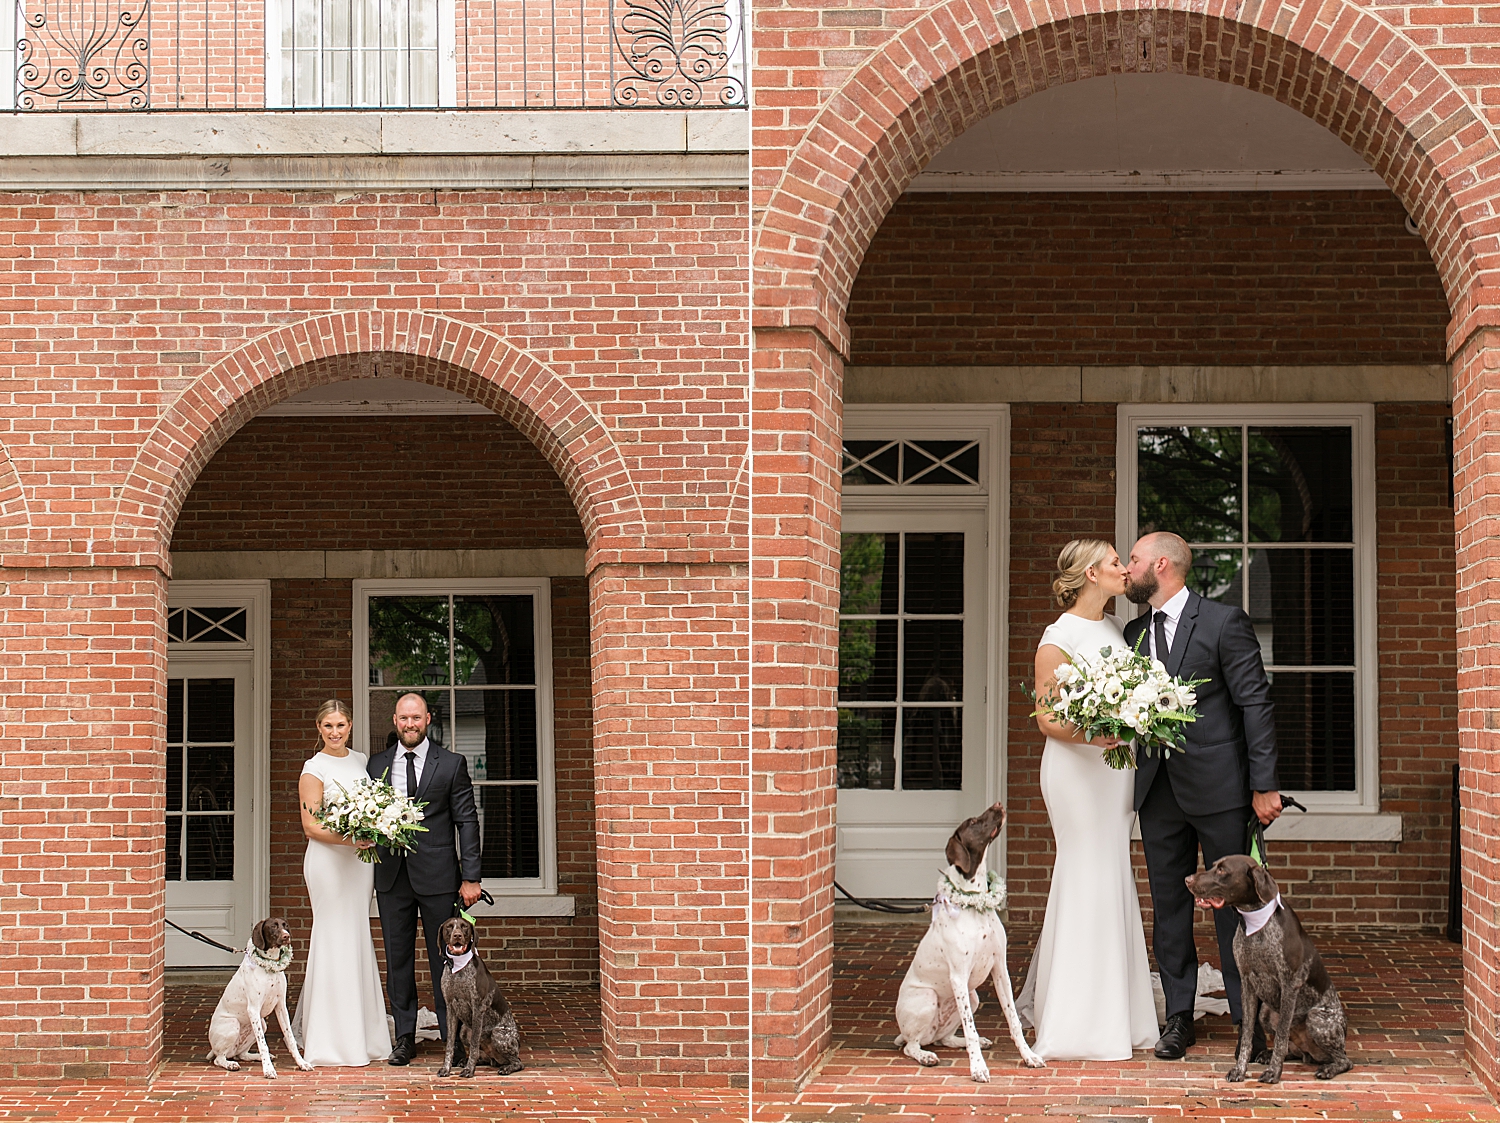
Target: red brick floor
[1403, 994]
[1404, 1000]
[565, 1078]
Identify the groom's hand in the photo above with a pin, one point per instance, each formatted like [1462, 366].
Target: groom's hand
[468, 892]
[1267, 806]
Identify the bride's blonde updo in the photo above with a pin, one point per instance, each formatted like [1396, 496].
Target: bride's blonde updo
[1072, 566]
[332, 706]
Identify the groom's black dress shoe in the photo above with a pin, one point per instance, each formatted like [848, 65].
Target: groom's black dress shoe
[1176, 1038]
[405, 1050]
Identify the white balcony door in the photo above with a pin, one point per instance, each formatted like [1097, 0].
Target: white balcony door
[216, 853]
[921, 632]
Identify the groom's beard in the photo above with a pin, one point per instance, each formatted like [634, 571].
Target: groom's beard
[1141, 592]
[411, 740]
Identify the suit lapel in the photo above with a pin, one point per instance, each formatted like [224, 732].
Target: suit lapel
[434, 762]
[1185, 628]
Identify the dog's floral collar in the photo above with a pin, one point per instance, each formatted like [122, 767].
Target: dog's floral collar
[956, 895]
[1256, 919]
[459, 962]
[272, 963]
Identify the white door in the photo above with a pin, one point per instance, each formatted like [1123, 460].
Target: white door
[210, 792]
[913, 634]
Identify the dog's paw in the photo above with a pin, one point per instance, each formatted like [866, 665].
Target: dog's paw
[514, 1066]
[980, 1074]
[445, 1071]
[269, 1072]
[1271, 1076]
[1235, 1075]
[468, 1072]
[1032, 1060]
[227, 1064]
[958, 1041]
[1333, 1068]
[304, 1066]
[926, 1058]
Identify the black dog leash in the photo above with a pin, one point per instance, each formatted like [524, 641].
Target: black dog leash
[458, 905]
[879, 906]
[199, 936]
[1255, 832]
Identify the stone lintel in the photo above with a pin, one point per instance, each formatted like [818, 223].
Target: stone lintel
[231, 565]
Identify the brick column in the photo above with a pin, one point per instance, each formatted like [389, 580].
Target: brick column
[671, 703]
[796, 403]
[82, 885]
[1475, 347]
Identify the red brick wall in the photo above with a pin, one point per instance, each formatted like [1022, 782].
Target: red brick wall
[439, 482]
[1062, 487]
[610, 327]
[1155, 279]
[376, 483]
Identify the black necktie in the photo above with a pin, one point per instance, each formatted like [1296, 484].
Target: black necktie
[1161, 636]
[411, 774]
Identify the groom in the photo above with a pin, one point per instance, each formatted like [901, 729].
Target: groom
[1202, 797]
[426, 880]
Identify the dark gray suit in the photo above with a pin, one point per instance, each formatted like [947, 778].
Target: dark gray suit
[425, 881]
[1202, 797]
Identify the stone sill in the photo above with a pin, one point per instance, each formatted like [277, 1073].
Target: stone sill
[518, 905]
[375, 151]
[1328, 826]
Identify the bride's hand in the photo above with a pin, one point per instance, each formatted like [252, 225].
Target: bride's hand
[362, 843]
[1104, 743]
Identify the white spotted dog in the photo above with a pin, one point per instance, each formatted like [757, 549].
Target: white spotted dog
[964, 946]
[258, 987]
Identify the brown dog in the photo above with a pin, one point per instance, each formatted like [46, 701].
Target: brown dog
[476, 1008]
[1282, 977]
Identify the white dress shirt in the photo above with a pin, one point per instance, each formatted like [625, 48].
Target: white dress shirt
[398, 768]
[1173, 608]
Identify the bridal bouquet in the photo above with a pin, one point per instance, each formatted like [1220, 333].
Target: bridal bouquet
[1122, 693]
[372, 811]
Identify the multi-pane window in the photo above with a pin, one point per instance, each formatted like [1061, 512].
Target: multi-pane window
[354, 53]
[1270, 511]
[481, 660]
[914, 463]
[200, 779]
[901, 661]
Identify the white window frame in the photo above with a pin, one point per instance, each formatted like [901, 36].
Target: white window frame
[255, 598]
[1333, 815]
[989, 423]
[447, 17]
[514, 896]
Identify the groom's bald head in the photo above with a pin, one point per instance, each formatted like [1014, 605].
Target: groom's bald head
[1165, 544]
[1159, 565]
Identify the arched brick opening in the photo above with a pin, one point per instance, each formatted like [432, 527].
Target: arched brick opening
[15, 521]
[1343, 67]
[421, 348]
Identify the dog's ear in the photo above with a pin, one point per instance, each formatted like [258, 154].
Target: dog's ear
[958, 855]
[1265, 884]
[258, 935]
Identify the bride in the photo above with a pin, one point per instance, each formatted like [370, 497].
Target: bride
[340, 1017]
[1088, 991]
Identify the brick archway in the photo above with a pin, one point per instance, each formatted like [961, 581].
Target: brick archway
[418, 347]
[1345, 68]
[15, 519]
[1341, 65]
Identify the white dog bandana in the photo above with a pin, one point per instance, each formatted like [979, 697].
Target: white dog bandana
[1256, 919]
[459, 962]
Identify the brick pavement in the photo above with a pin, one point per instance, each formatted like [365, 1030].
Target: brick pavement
[565, 1078]
[1404, 996]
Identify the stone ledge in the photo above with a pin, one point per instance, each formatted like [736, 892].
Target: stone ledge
[1327, 826]
[348, 565]
[407, 150]
[897, 385]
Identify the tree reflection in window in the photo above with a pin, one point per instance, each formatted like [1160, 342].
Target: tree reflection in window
[473, 657]
[1247, 498]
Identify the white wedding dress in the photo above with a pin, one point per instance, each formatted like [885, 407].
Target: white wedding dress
[1088, 991]
[340, 1018]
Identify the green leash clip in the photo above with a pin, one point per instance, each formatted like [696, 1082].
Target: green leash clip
[465, 913]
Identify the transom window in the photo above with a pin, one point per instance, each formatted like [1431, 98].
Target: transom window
[480, 654]
[353, 53]
[914, 463]
[1272, 509]
[901, 661]
[208, 625]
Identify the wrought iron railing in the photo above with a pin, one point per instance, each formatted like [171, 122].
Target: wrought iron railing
[215, 55]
